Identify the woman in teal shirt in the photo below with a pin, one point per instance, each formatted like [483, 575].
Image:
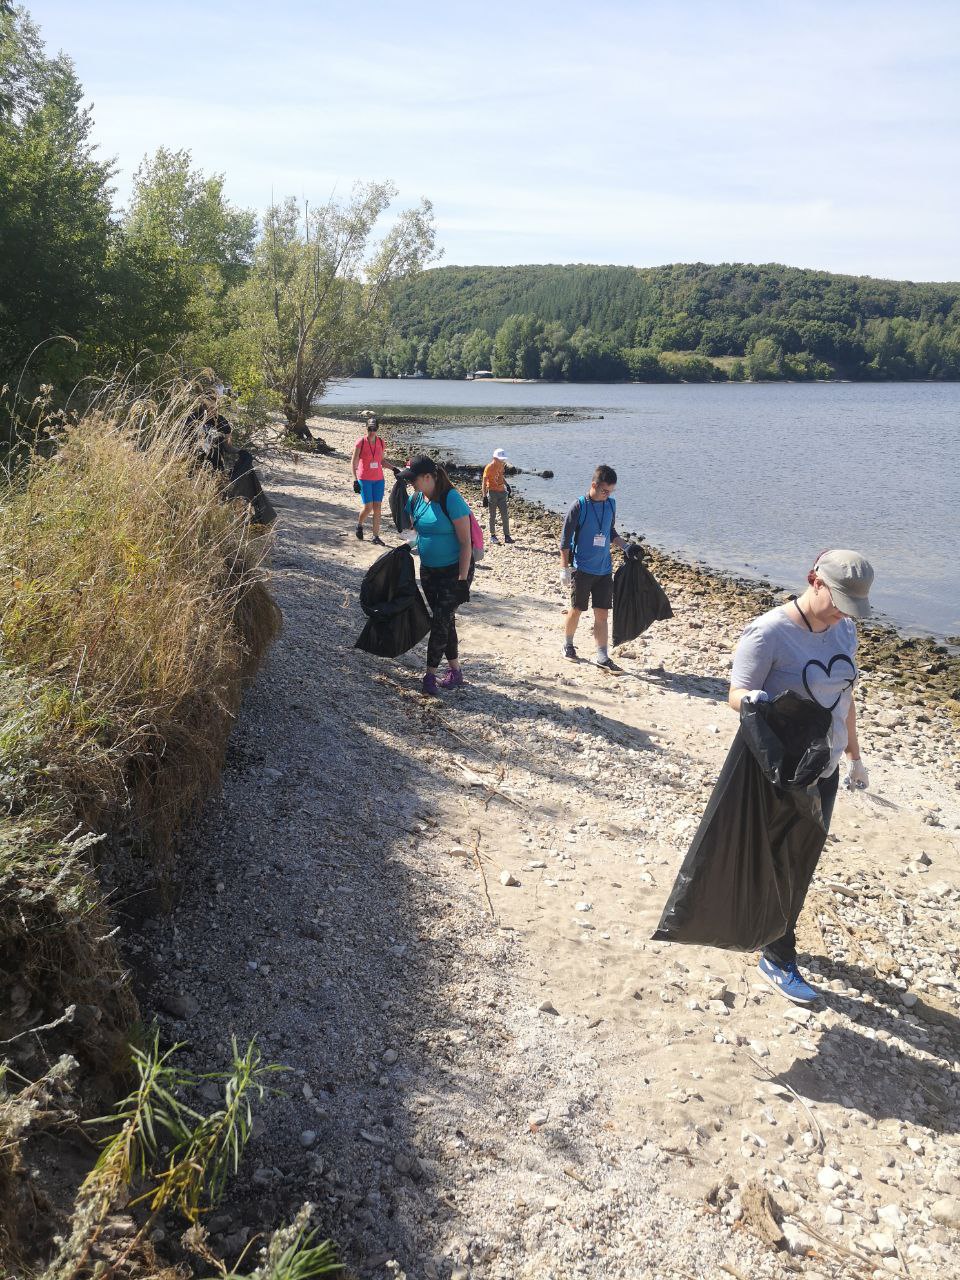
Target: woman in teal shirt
[441, 519]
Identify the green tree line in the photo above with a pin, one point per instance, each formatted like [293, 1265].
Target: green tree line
[694, 322]
[275, 305]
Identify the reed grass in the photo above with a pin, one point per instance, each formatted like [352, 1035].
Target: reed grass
[133, 606]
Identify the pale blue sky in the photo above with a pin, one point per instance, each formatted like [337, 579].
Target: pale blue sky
[819, 134]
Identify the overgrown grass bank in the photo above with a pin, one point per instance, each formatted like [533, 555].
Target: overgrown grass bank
[133, 606]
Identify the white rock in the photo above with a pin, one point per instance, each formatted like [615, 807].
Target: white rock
[798, 1241]
[828, 1178]
[883, 1243]
[584, 906]
[946, 1211]
[891, 1216]
[509, 880]
[800, 1016]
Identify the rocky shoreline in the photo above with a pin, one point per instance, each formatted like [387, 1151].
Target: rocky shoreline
[923, 672]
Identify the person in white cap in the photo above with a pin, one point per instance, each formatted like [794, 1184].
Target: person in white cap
[496, 492]
[809, 646]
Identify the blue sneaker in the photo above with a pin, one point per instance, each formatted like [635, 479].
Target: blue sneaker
[788, 981]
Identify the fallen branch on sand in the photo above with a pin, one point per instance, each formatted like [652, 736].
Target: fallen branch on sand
[783, 1085]
[483, 874]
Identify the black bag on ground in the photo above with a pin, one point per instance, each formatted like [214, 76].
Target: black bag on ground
[638, 600]
[391, 599]
[758, 843]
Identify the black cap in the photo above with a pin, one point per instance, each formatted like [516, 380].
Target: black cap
[422, 466]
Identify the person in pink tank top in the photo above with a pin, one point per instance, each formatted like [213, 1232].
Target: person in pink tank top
[366, 468]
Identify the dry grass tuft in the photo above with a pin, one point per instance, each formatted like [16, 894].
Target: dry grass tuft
[133, 607]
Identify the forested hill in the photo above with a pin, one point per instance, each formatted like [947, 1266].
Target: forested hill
[690, 321]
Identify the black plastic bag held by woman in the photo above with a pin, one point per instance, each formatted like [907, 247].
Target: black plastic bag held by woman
[638, 599]
[398, 505]
[391, 599]
[757, 846]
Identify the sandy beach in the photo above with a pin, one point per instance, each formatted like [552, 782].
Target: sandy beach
[503, 1080]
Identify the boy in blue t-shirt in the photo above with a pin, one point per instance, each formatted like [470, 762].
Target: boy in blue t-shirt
[589, 532]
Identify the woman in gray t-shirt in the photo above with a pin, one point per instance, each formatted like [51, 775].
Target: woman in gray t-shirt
[809, 646]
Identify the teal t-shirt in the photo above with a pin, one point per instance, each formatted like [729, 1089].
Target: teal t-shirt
[437, 539]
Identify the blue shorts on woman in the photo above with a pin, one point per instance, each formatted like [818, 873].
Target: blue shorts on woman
[371, 491]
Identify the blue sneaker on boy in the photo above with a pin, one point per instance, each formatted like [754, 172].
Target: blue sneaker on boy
[788, 981]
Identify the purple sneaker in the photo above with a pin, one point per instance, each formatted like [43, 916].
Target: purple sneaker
[452, 680]
[429, 686]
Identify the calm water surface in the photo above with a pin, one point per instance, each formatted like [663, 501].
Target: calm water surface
[752, 479]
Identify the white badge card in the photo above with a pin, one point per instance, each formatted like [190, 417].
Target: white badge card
[599, 540]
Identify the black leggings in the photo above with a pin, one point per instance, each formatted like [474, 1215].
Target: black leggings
[439, 587]
[784, 950]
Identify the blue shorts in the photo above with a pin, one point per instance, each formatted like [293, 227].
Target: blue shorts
[371, 491]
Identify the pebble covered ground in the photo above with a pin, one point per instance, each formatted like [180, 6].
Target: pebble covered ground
[437, 915]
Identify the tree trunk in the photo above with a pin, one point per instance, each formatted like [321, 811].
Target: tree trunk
[297, 423]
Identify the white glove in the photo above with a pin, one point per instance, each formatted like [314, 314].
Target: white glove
[566, 576]
[857, 778]
[756, 695]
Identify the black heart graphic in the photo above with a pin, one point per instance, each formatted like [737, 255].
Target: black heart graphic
[827, 671]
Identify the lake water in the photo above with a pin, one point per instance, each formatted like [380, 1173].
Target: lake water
[751, 479]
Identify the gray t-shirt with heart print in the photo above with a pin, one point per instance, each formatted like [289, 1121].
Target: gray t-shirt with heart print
[776, 654]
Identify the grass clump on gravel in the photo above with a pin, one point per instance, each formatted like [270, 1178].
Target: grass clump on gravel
[133, 606]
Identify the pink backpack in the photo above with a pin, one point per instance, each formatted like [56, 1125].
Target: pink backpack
[476, 533]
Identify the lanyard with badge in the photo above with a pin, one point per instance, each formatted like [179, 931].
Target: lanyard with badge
[373, 462]
[599, 538]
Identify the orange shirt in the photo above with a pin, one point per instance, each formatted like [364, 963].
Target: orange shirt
[493, 479]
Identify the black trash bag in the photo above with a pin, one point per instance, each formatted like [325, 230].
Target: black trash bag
[245, 483]
[398, 506]
[391, 599]
[638, 601]
[751, 861]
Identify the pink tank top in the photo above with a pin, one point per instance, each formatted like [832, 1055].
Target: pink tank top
[370, 462]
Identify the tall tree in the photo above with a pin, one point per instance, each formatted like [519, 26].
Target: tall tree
[181, 249]
[316, 297]
[55, 217]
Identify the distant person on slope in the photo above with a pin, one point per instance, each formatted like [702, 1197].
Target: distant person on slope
[496, 493]
[235, 465]
[808, 646]
[589, 532]
[366, 467]
[441, 518]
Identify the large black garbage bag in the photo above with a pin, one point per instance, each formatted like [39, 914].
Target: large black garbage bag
[398, 505]
[755, 851]
[391, 599]
[638, 601]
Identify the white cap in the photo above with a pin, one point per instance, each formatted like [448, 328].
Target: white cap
[500, 455]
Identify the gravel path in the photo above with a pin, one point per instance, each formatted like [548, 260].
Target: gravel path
[509, 1080]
